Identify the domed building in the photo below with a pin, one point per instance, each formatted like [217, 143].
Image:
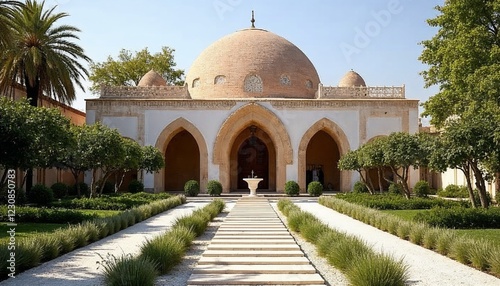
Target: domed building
[253, 105]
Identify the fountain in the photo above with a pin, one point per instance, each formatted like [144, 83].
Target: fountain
[253, 183]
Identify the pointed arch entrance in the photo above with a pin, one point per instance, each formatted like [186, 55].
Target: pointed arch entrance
[230, 135]
[186, 156]
[253, 150]
[320, 148]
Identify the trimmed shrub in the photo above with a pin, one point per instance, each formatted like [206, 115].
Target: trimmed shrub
[315, 189]
[191, 188]
[135, 186]
[461, 217]
[395, 189]
[128, 271]
[41, 195]
[214, 188]
[359, 187]
[84, 189]
[292, 188]
[378, 269]
[422, 189]
[454, 191]
[32, 214]
[60, 190]
[109, 188]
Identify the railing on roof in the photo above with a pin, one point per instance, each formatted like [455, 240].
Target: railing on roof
[180, 92]
[334, 92]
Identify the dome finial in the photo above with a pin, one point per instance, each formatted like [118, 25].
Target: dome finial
[253, 20]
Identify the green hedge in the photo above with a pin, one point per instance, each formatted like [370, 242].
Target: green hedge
[461, 217]
[483, 255]
[161, 253]
[46, 215]
[397, 202]
[112, 202]
[360, 264]
[30, 252]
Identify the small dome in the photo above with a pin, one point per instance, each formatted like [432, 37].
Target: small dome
[152, 78]
[252, 63]
[350, 79]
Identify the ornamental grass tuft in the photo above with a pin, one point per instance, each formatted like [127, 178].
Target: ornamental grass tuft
[128, 271]
[378, 269]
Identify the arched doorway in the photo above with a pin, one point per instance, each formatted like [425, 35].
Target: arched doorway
[253, 158]
[322, 156]
[182, 161]
[253, 150]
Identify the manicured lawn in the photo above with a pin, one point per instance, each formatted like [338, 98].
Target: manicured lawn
[405, 214]
[492, 235]
[26, 229]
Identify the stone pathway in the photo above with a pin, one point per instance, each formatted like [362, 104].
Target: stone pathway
[253, 247]
[79, 266]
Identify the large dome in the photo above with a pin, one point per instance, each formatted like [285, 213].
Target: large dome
[252, 63]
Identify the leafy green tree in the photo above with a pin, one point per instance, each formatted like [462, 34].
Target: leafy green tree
[41, 55]
[131, 162]
[351, 161]
[73, 159]
[372, 157]
[468, 144]
[463, 59]
[102, 148]
[31, 137]
[128, 68]
[152, 159]
[402, 151]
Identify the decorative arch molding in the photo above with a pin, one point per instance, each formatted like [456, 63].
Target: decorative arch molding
[332, 129]
[164, 139]
[264, 119]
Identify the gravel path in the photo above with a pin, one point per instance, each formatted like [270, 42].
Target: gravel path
[79, 267]
[426, 267]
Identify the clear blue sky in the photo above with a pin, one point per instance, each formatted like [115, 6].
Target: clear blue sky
[378, 39]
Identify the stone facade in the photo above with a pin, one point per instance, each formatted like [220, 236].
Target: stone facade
[253, 102]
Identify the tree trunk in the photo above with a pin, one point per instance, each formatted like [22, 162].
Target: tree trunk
[32, 93]
[466, 172]
[4, 177]
[75, 175]
[369, 183]
[480, 185]
[379, 171]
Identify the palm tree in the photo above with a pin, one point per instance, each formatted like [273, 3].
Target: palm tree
[6, 9]
[41, 56]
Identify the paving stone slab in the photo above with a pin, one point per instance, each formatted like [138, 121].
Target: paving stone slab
[253, 253]
[255, 279]
[255, 269]
[242, 240]
[267, 247]
[296, 260]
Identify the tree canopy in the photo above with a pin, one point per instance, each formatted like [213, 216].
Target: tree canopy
[129, 68]
[41, 56]
[463, 59]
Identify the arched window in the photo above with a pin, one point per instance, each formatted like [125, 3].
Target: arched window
[309, 83]
[220, 79]
[196, 82]
[285, 80]
[253, 83]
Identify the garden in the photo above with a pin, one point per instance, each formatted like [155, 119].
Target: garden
[446, 222]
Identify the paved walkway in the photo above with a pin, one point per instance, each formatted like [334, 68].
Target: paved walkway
[252, 246]
[79, 266]
[426, 267]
